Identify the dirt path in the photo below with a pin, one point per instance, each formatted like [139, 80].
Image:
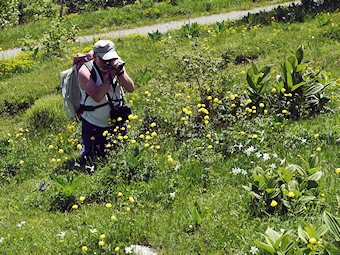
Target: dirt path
[165, 27]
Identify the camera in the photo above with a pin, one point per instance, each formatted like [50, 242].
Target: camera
[121, 63]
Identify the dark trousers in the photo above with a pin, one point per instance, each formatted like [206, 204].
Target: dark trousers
[93, 140]
[94, 143]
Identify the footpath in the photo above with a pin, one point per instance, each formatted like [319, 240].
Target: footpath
[166, 27]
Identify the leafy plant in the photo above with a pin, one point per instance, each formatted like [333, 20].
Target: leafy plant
[300, 88]
[156, 36]
[257, 82]
[283, 190]
[145, 76]
[65, 197]
[190, 30]
[276, 243]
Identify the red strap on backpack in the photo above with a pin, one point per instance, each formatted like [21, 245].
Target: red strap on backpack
[81, 58]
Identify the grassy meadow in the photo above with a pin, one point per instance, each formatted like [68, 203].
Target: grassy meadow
[208, 165]
[141, 13]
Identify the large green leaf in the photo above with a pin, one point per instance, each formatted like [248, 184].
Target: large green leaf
[314, 89]
[303, 235]
[321, 231]
[332, 224]
[265, 247]
[298, 85]
[315, 177]
[299, 54]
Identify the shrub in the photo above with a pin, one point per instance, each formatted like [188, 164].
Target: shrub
[46, 113]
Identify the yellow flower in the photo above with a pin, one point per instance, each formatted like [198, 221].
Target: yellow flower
[113, 217]
[84, 249]
[108, 205]
[158, 147]
[208, 136]
[265, 111]
[170, 160]
[50, 147]
[249, 101]
[82, 199]
[209, 98]
[101, 243]
[21, 162]
[119, 119]
[312, 240]
[261, 105]
[141, 136]
[75, 207]
[132, 200]
[120, 194]
[153, 124]
[291, 194]
[154, 134]
[61, 151]
[318, 149]
[284, 111]
[79, 146]
[102, 236]
[273, 203]
[316, 135]
[210, 147]
[92, 138]
[254, 136]
[215, 100]
[117, 249]
[133, 141]
[337, 171]
[283, 90]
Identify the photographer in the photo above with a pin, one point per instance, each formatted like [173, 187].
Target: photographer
[101, 88]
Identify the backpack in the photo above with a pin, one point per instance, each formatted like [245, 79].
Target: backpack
[70, 86]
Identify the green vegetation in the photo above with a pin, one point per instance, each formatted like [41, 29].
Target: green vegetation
[216, 160]
[143, 12]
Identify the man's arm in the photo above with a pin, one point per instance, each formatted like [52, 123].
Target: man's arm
[86, 83]
[126, 82]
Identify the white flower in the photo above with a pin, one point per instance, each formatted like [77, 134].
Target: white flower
[1, 239]
[266, 156]
[236, 170]
[282, 161]
[249, 150]
[173, 194]
[21, 224]
[272, 166]
[258, 154]
[62, 235]
[244, 172]
[303, 140]
[240, 146]
[253, 250]
[274, 155]
[93, 230]
[128, 249]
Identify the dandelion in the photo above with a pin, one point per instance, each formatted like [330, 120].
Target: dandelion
[153, 124]
[117, 249]
[108, 205]
[79, 146]
[120, 194]
[84, 249]
[337, 171]
[82, 199]
[92, 138]
[102, 236]
[113, 217]
[101, 243]
[61, 151]
[216, 100]
[273, 203]
[133, 141]
[284, 111]
[50, 147]
[255, 136]
[209, 98]
[291, 194]
[265, 111]
[132, 200]
[316, 135]
[283, 90]
[74, 207]
[318, 149]
[21, 162]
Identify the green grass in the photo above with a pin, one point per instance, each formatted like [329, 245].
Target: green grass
[127, 17]
[197, 174]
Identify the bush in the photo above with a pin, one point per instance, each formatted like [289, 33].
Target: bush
[46, 113]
